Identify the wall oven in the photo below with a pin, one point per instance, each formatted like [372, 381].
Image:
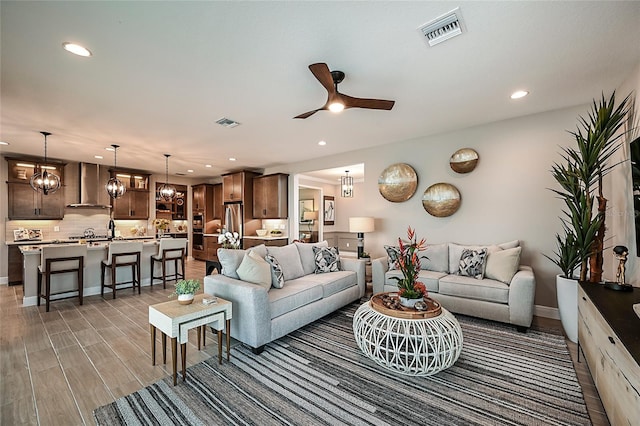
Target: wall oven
[198, 240]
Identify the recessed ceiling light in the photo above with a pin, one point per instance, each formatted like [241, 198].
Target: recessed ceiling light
[208, 166]
[322, 143]
[189, 171]
[76, 49]
[232, 158]
[4, 143]
[519, 94]
[99, 157]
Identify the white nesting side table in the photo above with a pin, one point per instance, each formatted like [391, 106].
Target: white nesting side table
[175, 320]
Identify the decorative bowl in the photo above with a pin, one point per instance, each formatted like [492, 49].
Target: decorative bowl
[261, 232]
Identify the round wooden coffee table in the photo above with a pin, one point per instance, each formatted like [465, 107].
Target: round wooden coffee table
[412, 346]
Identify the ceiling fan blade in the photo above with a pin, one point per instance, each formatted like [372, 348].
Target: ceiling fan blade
[322, 73]
[308, 113]
[351, 102]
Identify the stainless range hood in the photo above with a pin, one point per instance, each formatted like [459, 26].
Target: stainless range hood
[91, 189]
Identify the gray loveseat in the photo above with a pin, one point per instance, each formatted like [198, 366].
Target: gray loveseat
[262, 313]
[505, 292]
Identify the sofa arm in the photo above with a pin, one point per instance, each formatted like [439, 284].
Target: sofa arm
[379, 267]
[251, 317]
[359, 267]
[522, 291]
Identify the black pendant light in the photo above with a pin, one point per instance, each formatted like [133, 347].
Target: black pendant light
[115, 188]
[166, 191]
[42, 180]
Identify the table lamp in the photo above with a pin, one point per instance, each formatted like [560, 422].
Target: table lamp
[310, 217]
[360, 225]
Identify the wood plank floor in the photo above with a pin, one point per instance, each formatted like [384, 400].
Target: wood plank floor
[56, 367]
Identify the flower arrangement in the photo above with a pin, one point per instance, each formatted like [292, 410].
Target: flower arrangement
[229, 240]
[186, 287]
[161, 224]
[408, 262]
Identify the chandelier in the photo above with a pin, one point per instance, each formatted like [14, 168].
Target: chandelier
[115, 187]
[346, 185]
[167, 191]
[43, 181]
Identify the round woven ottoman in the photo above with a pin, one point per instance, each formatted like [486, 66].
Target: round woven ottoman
[415, 347]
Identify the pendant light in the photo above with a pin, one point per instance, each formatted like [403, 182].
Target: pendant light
[166, 191]
[115, 188]
[346, 185]
[43, 181]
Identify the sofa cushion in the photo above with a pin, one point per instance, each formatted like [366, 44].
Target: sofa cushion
[277, 277]
[470, 288]
[437, 258]
[230, 259]
[502, 265]
[255, 269]
[392, 255]
[289, 259]
[428, 278]
[333, 282]
[294, 295]
[307, 256]
[327, 259]
[455, 252]
[472, 263]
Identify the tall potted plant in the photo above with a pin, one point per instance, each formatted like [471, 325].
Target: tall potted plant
[579, 176]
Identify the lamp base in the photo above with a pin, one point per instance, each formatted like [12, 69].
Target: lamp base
[360, 244]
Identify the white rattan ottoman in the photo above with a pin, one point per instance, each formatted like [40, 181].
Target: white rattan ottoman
[415, 347]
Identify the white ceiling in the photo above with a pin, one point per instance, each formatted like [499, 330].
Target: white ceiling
[162, 73]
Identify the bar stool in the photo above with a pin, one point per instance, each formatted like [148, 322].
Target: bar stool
[58, 260]
[120, 255]
[170, 250]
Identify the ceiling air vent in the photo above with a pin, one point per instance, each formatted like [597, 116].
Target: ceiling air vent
[226, 122]
[442, 28]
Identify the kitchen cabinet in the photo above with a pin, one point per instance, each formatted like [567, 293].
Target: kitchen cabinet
[218, 206]
[200, 196]
[207, 202]
[15, 265]
[26, 203]
[175, 209]
[134, 204]
[607, 334]
[211, 247]
[238, 187]
[270, 196]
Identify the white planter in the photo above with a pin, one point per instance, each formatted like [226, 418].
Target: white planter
[185, 299]
[410, 303]
[567, 293]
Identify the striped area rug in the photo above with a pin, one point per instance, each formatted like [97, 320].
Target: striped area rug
[317, 375]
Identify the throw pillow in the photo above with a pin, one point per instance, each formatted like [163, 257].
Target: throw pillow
[307, 256]
[277, 277]
[289, 258]
[502, 265]
[327, 259]
[435, 258]
[230, 259]
[392, 253]
[255, 269]
[472, 263]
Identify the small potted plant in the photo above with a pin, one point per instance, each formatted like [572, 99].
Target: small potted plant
[185, 290]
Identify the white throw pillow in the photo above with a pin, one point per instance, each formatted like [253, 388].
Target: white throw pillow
[255, 269]
[307, 255]
[437, 258]
[502, 265]
[289, 259]
[230, 259]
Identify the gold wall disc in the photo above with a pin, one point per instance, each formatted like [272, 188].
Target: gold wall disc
[441, 199]
[464, 160]
[398, 182]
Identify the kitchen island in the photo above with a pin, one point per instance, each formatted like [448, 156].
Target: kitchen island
[96, 253]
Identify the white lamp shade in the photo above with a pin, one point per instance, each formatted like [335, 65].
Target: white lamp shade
[361, 224]
[310, 215]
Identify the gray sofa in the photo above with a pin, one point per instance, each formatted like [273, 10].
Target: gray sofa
[262, 313]
[504, 293]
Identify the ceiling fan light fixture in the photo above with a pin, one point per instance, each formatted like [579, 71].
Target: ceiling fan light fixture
[167, 192]
[43, 181]
[336, 107]
[115, 188]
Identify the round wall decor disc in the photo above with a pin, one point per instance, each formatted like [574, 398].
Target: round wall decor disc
[398, 182]
[441, 199]
[464, 160]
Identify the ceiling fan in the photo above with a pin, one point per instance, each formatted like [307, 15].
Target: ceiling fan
[337, 101]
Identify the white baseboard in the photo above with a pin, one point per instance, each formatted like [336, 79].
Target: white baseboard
[546, 312]
[4, 280]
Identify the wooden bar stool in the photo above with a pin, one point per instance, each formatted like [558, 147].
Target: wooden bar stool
[171, 250]
[120, 255]
[58, 260]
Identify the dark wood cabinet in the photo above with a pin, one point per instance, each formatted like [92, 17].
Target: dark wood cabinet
[199, 197]
[238, 187]
[26, 203]
[175, 209]
[211, 247]
[15, 265]
[218, 205]
[270, 196]
[134, 204]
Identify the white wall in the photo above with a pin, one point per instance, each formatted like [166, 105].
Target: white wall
[504, 198]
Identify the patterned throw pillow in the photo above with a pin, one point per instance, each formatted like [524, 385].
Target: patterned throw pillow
[277, 276]
[392, 252]
[327, 259]
[472, 263]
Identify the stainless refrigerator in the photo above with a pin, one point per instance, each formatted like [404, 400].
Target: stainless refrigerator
[233, 218]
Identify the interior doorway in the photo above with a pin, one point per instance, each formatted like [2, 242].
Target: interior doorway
[309, 215]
